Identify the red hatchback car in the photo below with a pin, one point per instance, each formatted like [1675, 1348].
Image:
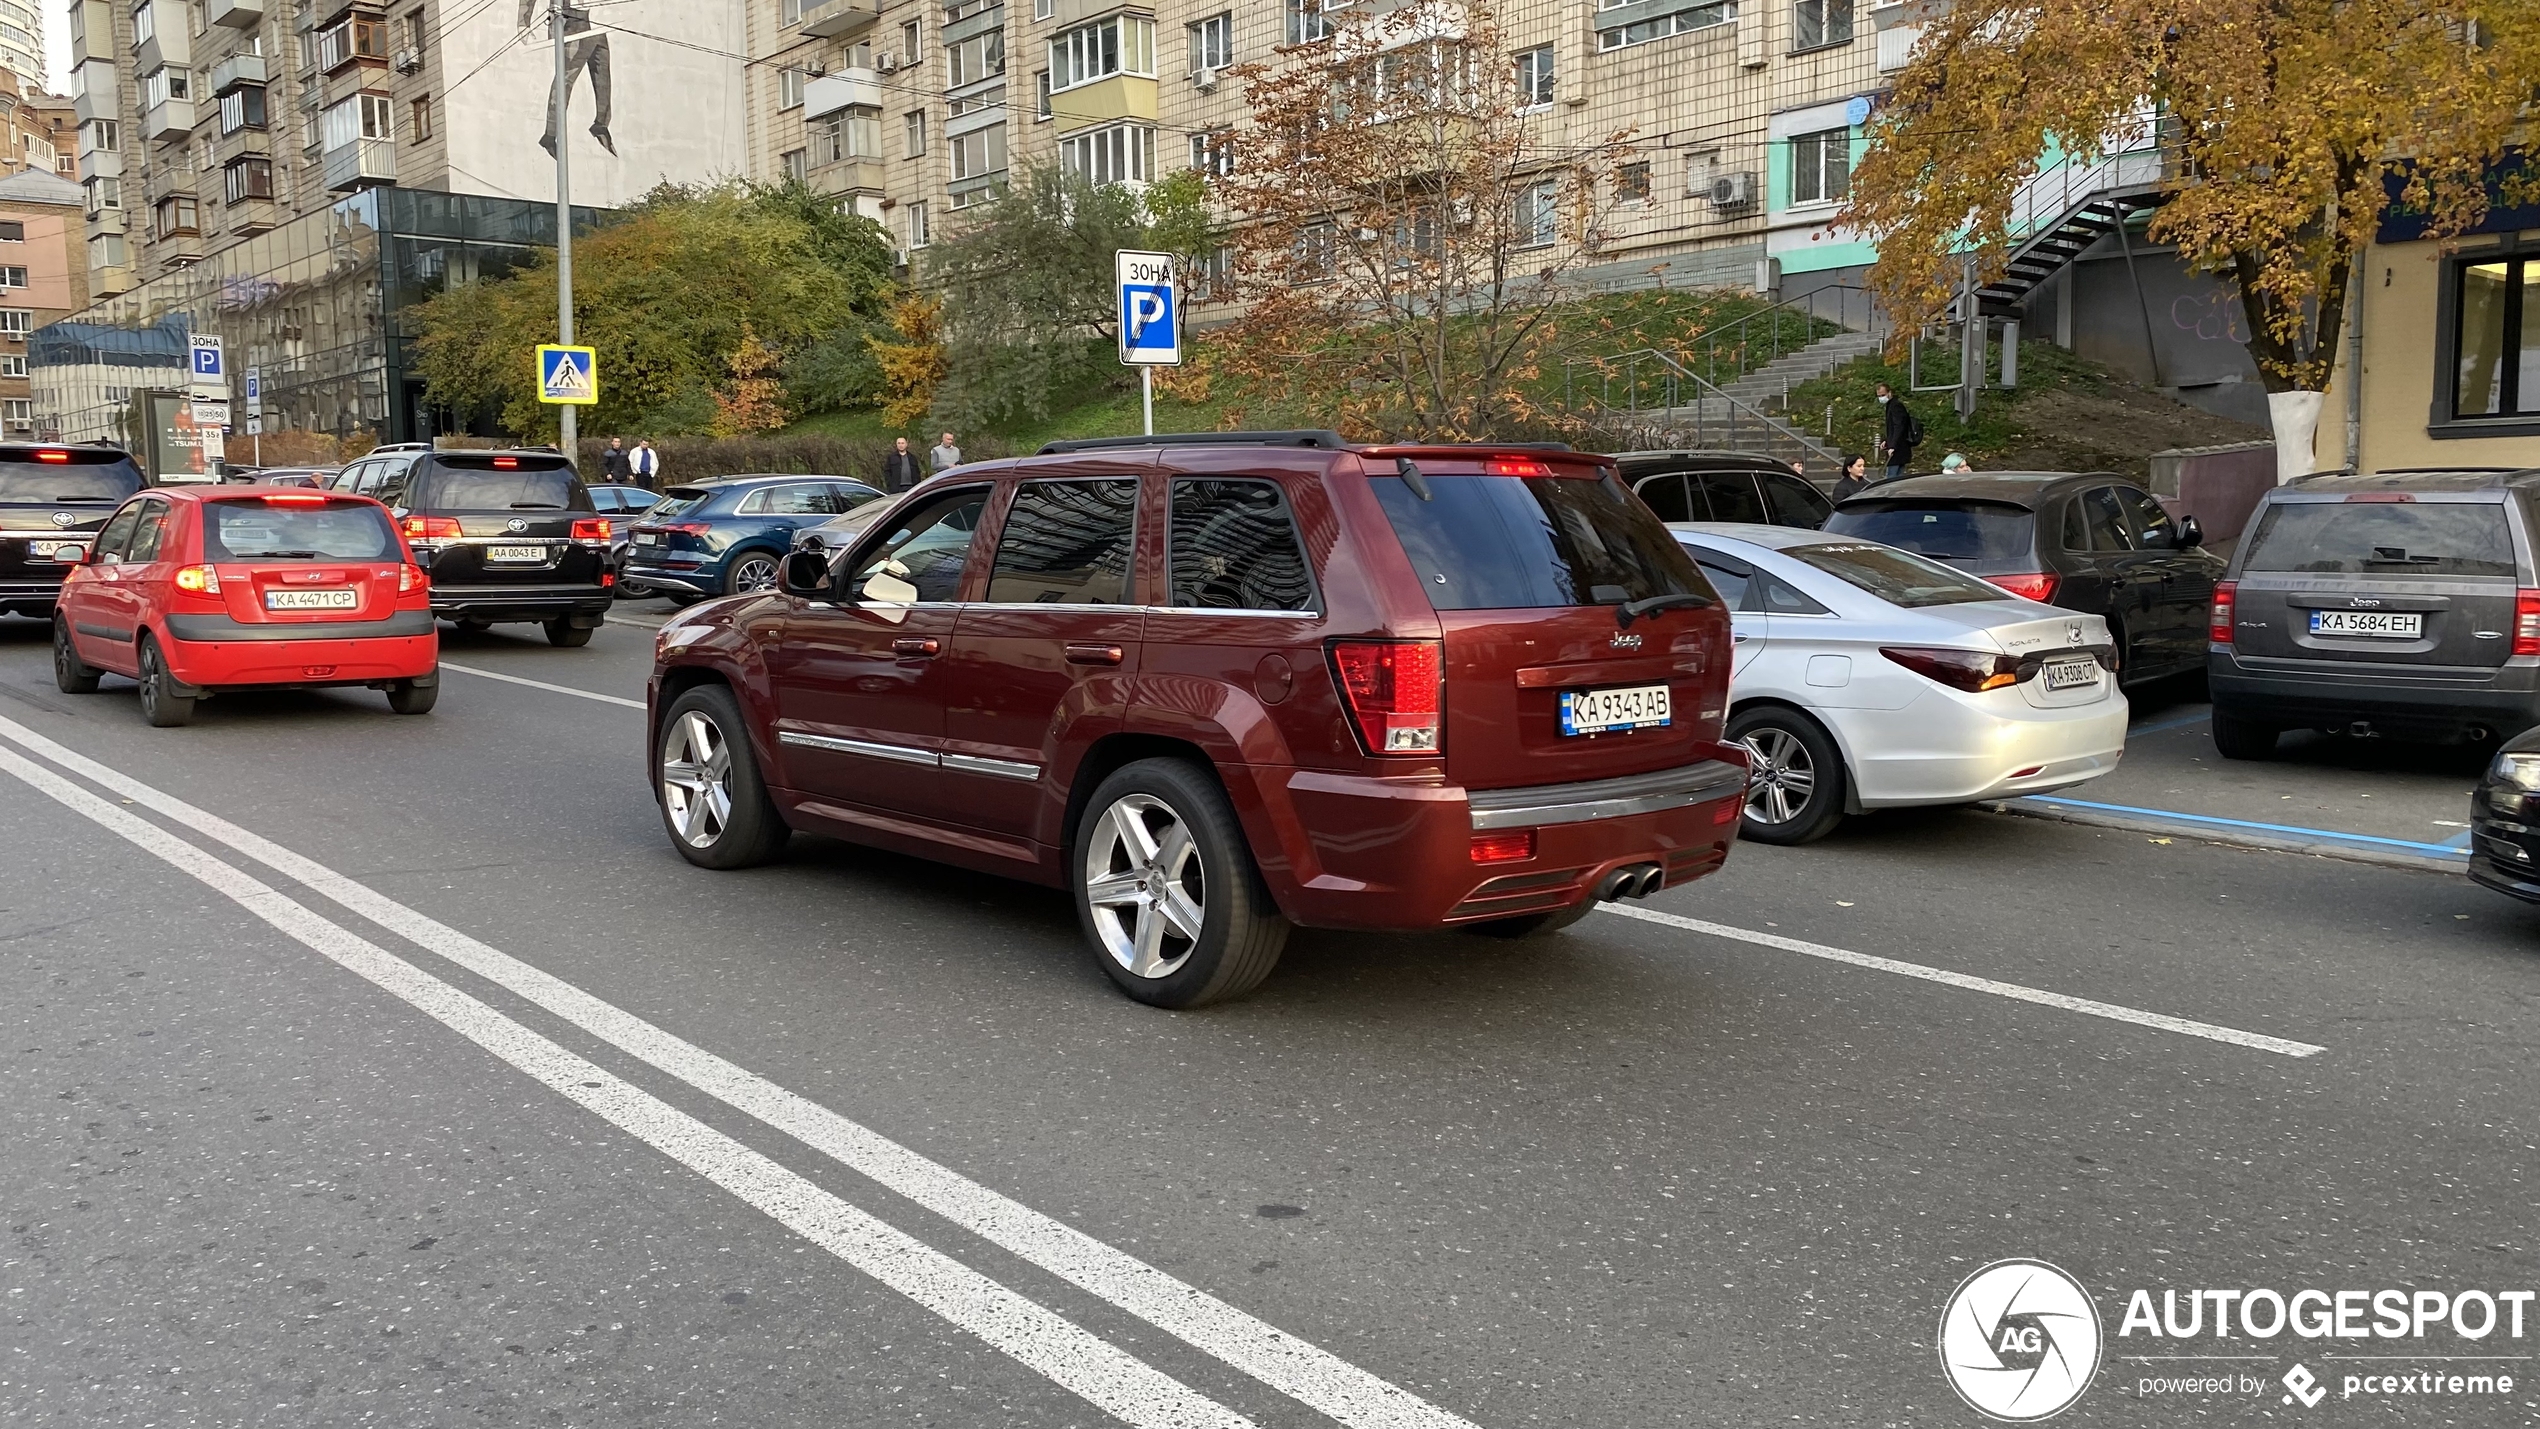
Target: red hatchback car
[192, 590]
[1222, 684]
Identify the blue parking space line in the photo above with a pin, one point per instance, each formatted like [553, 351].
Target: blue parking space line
[2173, 722]
[2459, 840]
[2441, 850]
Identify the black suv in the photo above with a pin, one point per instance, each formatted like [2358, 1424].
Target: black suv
[1723, 486]
[52, 500]
[2404, 603]
[509, 537]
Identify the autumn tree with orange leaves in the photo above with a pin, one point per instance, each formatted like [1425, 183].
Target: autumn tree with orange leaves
[1403, 223]
[2286, 125]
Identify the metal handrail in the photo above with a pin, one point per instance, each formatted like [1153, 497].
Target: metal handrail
[1823, 312]
[1665, 403]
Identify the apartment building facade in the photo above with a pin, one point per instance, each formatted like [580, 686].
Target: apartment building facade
[37, 129]
[1747, 113]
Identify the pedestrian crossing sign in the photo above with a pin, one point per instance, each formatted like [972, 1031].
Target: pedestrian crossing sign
[568, 375]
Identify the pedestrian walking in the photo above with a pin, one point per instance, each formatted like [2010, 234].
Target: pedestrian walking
[1856, 475]
[1899, 432]
[899, 469]
[1799, 467]
[613, 462]
[1954, 464]
[945, 456]
[645, 466]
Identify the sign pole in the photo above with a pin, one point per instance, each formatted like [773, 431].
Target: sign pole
[1146, 389]
[567, 425]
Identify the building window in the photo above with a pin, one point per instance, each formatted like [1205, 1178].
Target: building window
[913, 129]
[1317, 253]
[1538, 214]
[13, 365]
[16, 322]
[12, 276]
[419, 119]
[1820, 166]
[242, 108]
[1213, 41]
[910, 34]
[2496, 339]
[1041, 103]
[1534, 76]
[1121, 154]
[163, 84]
[176, 216]
[1213, 275]
[1123, 44]
[1816, 24]
[1681, 22]
[919, 234]
[246, 179]
[364, 116]
[357, 37]
[972, 60]
[797, 164]
[977, 154]
[415, 30]
[145, 23]
[12, 231]
[1213, 152]
[19, 411]
[105, 195]
[106, 251]
[1307, 22]
[1631, 182]
[1043, 9]
[103, 136]
[851, 133]
[789, 89]
[971, 103]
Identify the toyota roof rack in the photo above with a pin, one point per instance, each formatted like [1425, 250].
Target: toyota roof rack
[1318, 440]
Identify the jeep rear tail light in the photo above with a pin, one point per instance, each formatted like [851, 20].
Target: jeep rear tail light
[2038, 586]
[1517, 466]
[2527, 622]
[2218, 624]
[506, 463]
[1393, 689]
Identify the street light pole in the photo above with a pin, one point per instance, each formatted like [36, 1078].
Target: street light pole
[569, 428]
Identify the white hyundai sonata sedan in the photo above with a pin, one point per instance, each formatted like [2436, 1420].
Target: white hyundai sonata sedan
[1866, 677]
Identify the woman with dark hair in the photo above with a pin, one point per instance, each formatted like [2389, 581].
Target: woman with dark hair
[1855, 475]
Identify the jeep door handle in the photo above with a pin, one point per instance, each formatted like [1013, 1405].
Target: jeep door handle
[919, 646]
[1095, 655]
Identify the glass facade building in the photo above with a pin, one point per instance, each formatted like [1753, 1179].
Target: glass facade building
[323, 306]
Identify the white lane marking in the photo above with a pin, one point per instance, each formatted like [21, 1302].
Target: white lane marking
[1119, 1384]
[615, 619]
[543, 685]
[1294, 1367]
[2185, 1027]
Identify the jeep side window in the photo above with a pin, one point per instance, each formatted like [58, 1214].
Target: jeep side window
[1067, 543]
[922, 558]
[1234, 548]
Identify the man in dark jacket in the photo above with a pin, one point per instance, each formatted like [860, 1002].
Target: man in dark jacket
[613, 468]
[899, 469]
[1899, 432]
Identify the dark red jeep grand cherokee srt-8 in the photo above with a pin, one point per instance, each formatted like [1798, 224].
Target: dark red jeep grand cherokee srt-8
[1221, 684]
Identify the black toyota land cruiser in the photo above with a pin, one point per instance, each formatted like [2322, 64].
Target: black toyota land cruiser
[509, 537]
[52, 500]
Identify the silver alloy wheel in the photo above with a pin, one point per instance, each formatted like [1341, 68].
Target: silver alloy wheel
[1143, 882]
[1784, 778]
[696, 780]
[754, 574]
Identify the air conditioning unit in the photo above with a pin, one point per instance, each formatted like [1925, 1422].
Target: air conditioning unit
[1205, 80]
[816, 68]
[886, 62]
[409, 61]
[1732, 190]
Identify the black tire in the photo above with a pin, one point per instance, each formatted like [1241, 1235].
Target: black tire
[1533, 924]
[407, 697]
[751, 572]
[71, 674]
[750, 830]
[160, 704]
[2237, 738]
[565, 635]
[1198, 856]
[1793, 755]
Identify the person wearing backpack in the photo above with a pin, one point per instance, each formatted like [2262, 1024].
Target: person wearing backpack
[1900, 432]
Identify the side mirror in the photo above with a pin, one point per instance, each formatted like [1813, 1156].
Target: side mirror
[2190, 534]
[804, 574]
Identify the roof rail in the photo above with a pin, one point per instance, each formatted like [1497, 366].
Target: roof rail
[1318, 440]
[403, 447]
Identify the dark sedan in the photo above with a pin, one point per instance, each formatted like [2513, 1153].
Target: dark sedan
[725, 537]
[1723, 486]
[2092, 542]
[2504, 820]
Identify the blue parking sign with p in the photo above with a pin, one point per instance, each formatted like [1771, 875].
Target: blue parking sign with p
[1150, 326]
[568, 376]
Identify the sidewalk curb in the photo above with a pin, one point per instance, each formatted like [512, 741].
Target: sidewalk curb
[2035, 808]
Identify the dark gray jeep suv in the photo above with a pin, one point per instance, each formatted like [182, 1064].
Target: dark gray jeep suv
[2404, 603]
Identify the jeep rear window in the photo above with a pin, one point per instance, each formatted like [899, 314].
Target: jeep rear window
[1946, 530]
[1505, 542]
[85, 477]
[490, 488]
[275, 531]
[2431, 538]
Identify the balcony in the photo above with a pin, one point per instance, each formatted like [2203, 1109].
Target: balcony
[100, 164]
[237, 14]
[251, 215]
[168, 119]
[97, 18]
[246, 142]
[833, 92]
[360, 165]
[850, 176]
[829, 19]
[169, 46]
[237, 70]
[179, 249]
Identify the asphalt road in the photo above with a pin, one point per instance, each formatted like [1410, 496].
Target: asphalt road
[464, 1100]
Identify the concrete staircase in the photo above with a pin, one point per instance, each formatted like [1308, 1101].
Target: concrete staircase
[1771, 383]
